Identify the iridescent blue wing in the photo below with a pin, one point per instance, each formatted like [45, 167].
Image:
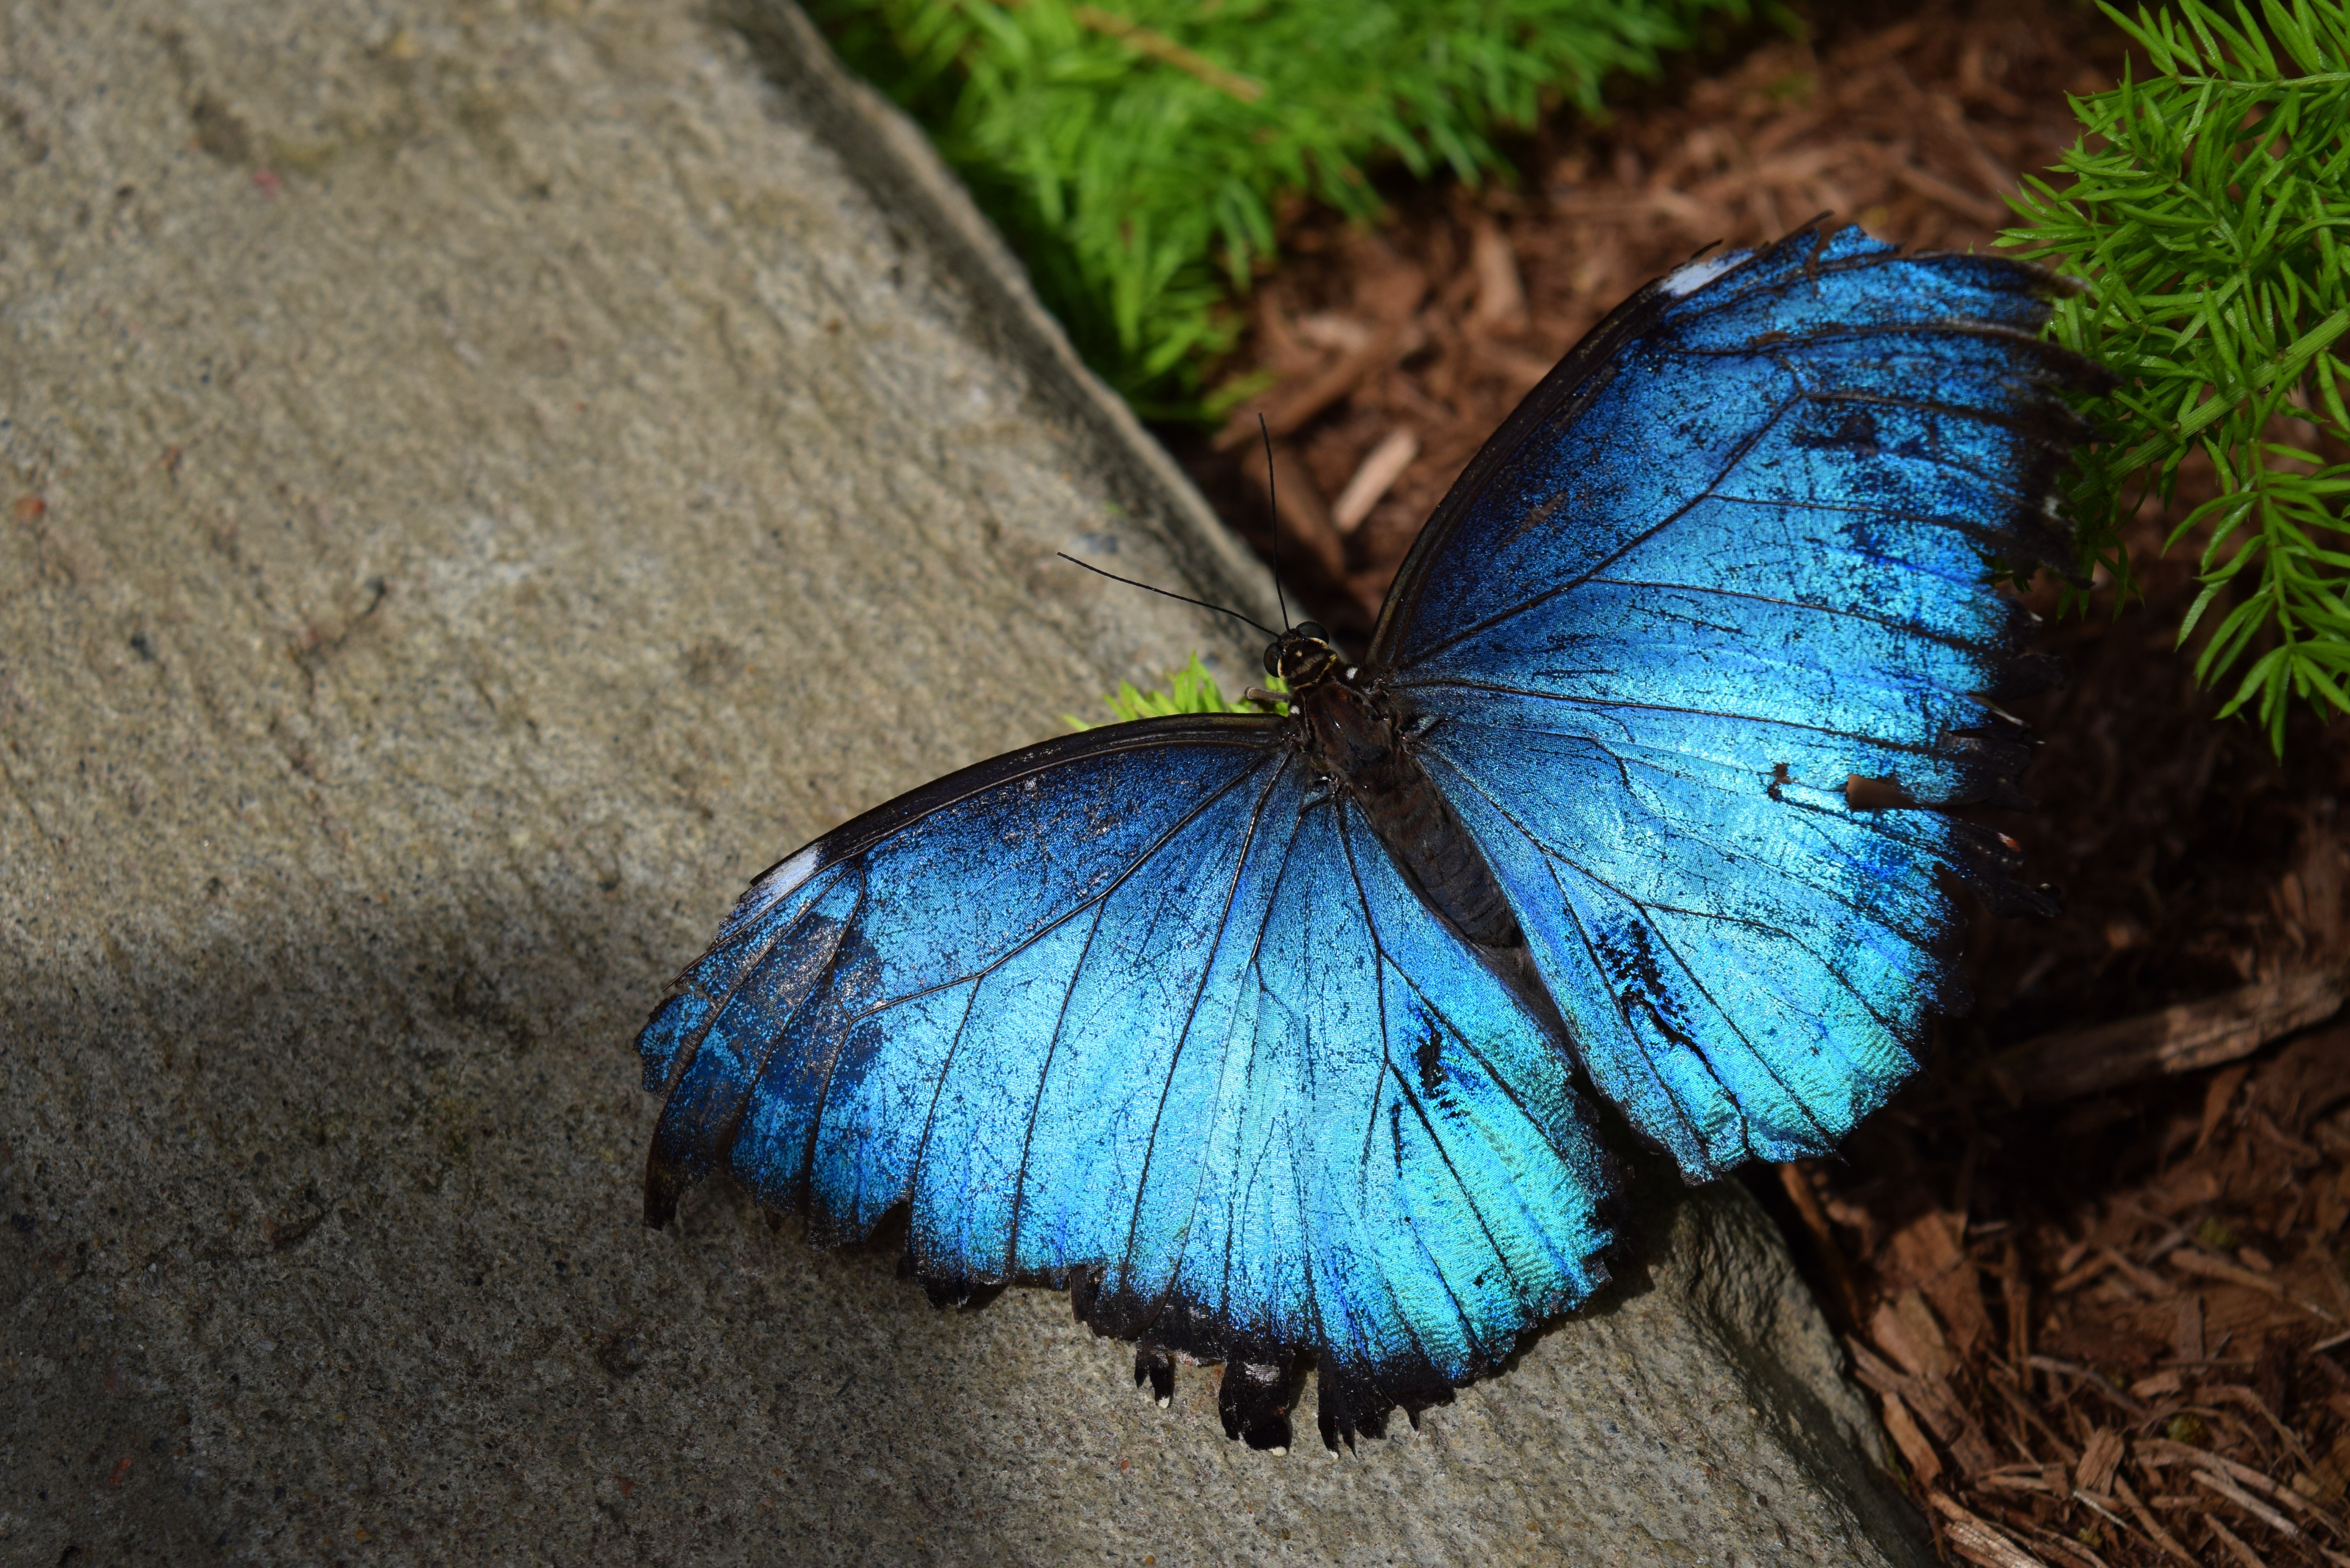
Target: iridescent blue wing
[1139, 1013]
[1704, 637]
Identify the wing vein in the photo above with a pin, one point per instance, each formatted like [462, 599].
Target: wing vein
[1454, 683]
[1904, 628]
[1064, 917]
[1591, 951]
[691, 1047]
[1484, 1225]
[1737, 456]
[1175, 1058]
[1044, 1075]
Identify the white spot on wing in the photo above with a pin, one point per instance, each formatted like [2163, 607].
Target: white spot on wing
[776, 884]
[790, 874]
[1686, 280]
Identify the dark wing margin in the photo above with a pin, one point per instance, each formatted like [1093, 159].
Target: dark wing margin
[780, 941]
[860, 833]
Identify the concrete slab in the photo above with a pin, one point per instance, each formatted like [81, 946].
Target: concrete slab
[477, 481]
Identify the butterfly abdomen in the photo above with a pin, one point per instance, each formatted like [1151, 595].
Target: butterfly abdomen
[1363, 747]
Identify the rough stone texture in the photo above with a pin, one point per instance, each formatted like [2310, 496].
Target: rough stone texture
[480, 481]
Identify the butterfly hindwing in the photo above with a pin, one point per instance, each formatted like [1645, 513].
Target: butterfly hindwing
[1158, 1019]
[1728, 564]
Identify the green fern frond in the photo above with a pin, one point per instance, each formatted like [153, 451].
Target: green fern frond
[2207, 210]
[1190, 689]
[1132, 151]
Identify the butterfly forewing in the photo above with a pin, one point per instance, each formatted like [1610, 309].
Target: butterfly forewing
[1738, 563]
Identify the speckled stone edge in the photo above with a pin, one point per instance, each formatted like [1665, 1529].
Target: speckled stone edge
[888, 154]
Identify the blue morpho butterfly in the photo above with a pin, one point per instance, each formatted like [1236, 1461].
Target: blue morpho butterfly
[1266, 1036]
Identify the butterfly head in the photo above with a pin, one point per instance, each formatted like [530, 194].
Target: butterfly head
[1302, 656]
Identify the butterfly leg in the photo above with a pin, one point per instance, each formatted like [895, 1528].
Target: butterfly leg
[1349, 1406]
[1255, 1401]
[1157, 1366]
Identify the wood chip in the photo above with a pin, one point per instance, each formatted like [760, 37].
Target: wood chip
[1339, 333]
[2248, 1503]
[1290, 406]
[2181, 1039]
[2236, 1547]
[2015, 1294]
[1925, 1464]
[1852, 58]
[2307, 1077]
[2147, 1522]
[2098, 1461]
[1303, 518]
[1521, 369]
[2024, 1411]
[1927, 1251]
[2090, 1502]
[1933, 1402]
[2095, 1379]
[1974, 1539]
[2144, 1278]
[1388, 286]
[1905, 1329]
[1993, 174]
[1808, 1208]
[2042, 1480]
[2194, 1261]
[1971, 1448]
[2164, 1450]
[2245, 1399]
[1501, 297]
[2073, 1278]
[1375, 478]
[1874, 1371]
[2217, 1094]
[2073, 1550]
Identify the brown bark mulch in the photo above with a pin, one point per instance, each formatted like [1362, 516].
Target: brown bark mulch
[2091, 1264]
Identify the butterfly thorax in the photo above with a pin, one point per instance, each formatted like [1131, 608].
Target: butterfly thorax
[1354, 736]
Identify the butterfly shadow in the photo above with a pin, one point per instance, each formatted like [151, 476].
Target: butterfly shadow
[374, 1173]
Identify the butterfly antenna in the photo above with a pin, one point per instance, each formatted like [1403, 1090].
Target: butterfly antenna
[1272, 500]
[1164, 594]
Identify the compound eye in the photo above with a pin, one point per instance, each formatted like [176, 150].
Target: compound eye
[1312, 631]
[1272, 658]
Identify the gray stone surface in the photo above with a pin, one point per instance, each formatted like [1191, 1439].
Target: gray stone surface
[477, 481]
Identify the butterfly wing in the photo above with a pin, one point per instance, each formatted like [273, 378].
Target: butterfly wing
[1140, 1013]
[1697, 630]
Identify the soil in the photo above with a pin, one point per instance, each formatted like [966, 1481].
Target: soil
[2103, 1330]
